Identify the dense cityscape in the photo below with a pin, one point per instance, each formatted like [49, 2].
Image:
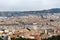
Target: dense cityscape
[29, 19]
[32, 26]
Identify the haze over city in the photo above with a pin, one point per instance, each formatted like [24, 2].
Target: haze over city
[29, 19]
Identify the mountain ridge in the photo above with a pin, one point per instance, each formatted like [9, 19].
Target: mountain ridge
[18, 13]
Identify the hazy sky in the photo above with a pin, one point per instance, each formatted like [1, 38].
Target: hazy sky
[28, 4]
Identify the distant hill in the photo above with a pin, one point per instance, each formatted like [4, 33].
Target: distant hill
[19, 13]
[54, 10]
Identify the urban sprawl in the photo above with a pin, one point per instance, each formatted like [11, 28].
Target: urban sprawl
[30, 26]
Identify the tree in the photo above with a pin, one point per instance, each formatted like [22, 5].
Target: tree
[20, 38]
[1, 39]
[53, 38]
